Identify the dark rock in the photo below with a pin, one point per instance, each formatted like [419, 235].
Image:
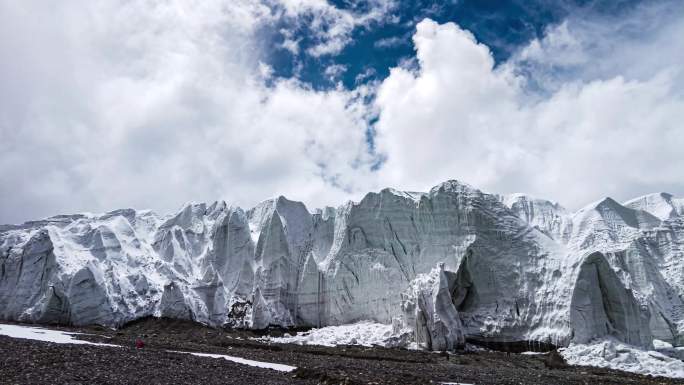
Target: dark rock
[555, 361]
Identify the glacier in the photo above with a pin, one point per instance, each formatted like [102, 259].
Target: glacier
[450, 265]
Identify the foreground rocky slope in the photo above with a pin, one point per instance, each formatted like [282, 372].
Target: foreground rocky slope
[442, 266]
[34, 362]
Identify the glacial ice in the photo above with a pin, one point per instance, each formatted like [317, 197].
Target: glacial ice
[450, 264]
[430, 310]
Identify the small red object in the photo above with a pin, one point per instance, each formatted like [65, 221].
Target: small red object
[139, 343]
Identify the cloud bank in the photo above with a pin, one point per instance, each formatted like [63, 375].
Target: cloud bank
[149, 105]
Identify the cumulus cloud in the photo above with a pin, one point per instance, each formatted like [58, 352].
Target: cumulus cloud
[615, 131]
[443, 120]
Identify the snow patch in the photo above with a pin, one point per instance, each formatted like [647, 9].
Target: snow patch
[365, 333]
[45, 335]
[244, 361]
[616, 355]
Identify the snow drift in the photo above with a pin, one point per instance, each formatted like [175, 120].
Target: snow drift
[450, 264]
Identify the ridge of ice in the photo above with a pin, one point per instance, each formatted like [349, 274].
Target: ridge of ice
[662, 205]
[509, 267]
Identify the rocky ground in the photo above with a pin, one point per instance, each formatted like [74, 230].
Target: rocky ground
[32, 362]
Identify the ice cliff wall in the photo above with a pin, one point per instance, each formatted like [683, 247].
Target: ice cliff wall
[450, 264]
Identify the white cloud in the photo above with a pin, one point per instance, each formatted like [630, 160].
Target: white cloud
[156, 103]
[583, 48]
[389, 42]
[458, 116]
[334, 71]
[331, 27]
[437, 123]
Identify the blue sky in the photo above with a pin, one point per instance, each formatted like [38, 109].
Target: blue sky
[504, 26]
[113, 104]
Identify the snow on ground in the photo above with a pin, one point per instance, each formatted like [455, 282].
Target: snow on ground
[41, 334]
[258, 364]
[365, 333]
[616, 355]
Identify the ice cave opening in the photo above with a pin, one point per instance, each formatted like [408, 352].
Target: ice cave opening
[463, 291]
